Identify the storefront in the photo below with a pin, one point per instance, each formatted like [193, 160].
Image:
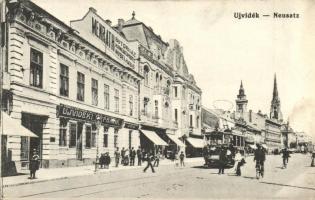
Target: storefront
[11, 128]
[81, 131]
[194, 146]
[151, 141]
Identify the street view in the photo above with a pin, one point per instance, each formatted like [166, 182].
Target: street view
[157, 99]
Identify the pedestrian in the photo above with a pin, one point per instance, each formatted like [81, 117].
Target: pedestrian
[239, 162]
[102, 160]
[149, 158]
[139, 156]
[132, 156]
[176, 159]
[126, 157]
[285, 157]
[313, 157]
[157, 159]
[222, 160]
[181, 157]
[107, 160]
[34, 164]
[122, 153]
[117, 156]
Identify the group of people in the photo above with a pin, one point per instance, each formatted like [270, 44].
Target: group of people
[127, 157]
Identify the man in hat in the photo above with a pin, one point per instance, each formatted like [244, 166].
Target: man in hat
[259, 157]
[222, 159]
[34, 164]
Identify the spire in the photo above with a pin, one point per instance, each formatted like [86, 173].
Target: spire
[241, 91]
[133, 14]
[275, 89]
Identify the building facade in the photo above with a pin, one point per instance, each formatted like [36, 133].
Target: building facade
[87, 88]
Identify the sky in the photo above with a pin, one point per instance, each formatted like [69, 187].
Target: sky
[221, 50]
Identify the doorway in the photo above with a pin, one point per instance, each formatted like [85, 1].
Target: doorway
[34, 123]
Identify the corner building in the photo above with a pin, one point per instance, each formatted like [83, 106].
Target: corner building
[76, 87]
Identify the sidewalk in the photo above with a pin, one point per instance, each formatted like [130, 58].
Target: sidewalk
[50, 174]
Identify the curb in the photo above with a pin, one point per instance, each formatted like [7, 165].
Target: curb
[87, 174]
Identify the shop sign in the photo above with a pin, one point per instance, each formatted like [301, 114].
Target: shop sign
[131, 125]
[85, 115]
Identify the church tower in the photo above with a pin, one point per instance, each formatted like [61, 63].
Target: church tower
[275, 109]
[241, 101]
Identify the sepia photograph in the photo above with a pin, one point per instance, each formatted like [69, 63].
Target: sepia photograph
[157, 99]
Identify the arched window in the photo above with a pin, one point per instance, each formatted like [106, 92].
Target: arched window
[146, 75]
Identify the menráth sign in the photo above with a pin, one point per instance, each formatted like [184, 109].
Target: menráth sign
[117, 45]
[85, 115]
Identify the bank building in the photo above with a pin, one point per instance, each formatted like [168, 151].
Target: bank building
[72, 92]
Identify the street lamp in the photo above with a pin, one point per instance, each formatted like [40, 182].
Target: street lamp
[98, 124]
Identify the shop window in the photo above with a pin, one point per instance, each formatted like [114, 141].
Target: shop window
[116, 138]
[116, 100]
[106, 97]
[72, 135]
[94, 92]
[94, 133]
[63, 132]
[24, 148]
[88, 136]
[197, 122]
[105, 138]
[130, 105]
[130, 139]
[36, 69]
[80, 85]
[64, 80]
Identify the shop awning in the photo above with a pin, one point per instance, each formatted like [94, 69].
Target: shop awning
[197, 143]
[176, 140]
[151, 135]
[13, 127]
[253, 146]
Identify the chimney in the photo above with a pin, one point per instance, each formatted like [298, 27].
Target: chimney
[250, 115]
[121, 23]
[92, 9]
[108, 22]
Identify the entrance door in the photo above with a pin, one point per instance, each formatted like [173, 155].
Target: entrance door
[35, 124]
[79, 140]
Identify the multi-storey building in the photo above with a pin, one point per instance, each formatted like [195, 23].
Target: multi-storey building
[76, 95]
[87, 88]
[186, 97]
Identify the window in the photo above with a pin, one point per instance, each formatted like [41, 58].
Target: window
[175, 91]
[88, 136]
[146, 75]
[94, 132]
[80, 85]
[191, 121]
[197, 122]
[130, 105]
[116, 138]
[106, 97]
[105, 138]
[176, 117]
[73, 135]
[63, 132]
[94, 92]
[116, 100]
[156, 109]
[36, 69]
[64, 80]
